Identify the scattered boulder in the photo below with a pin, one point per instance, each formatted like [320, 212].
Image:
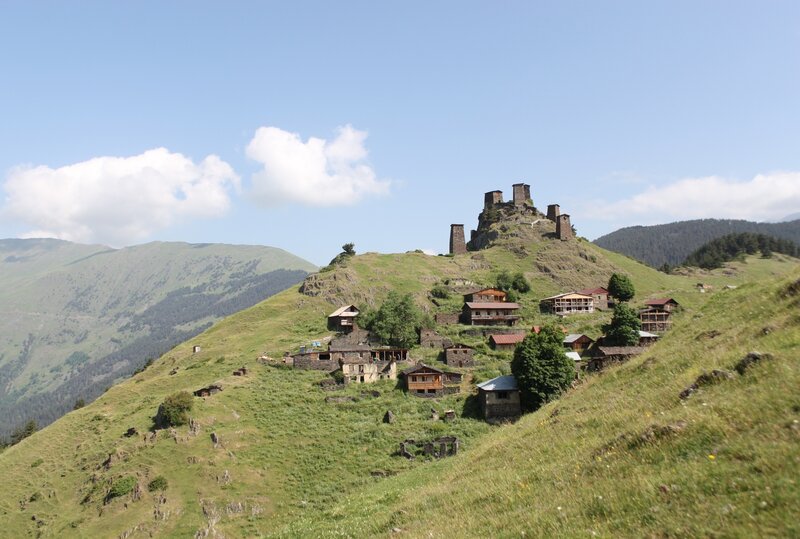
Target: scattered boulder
[213, 389]
[791, 290]
[131, 432]
[653, 433]
[706, 379]
[388, 417]
[404, 452]
[449, 415]
[749, 360]
[241, 371]
[434, 414]
[113, 458]
[215, 439]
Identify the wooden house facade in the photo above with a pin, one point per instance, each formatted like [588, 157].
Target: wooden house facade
[490, 314]
[505, 342]
[599, 295]
[343, 318]
[577, 342]
[567, 304]
[426, 381]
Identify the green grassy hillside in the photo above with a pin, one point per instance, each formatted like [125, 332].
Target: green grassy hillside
[75, 318]
[291, 462]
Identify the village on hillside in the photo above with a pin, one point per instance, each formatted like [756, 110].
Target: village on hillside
[353, 355]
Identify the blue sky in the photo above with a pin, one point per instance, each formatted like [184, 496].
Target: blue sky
[622, 112]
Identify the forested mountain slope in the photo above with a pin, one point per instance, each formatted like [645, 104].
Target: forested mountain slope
[671, 243]
[75, 318]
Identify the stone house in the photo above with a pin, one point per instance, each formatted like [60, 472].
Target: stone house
[499, 398]
[500, 313]
[343, 318]
[364, 371]
[577, 342]
[459, 355]
[505, 342]
[567, 303]
[600, 296]
[428, 338]
[486, 295]
[605, 355]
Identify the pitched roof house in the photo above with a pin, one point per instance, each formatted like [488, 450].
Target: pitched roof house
[343, 318]
[501, 313]
[505, 342]
[568, 303]
[499, 398]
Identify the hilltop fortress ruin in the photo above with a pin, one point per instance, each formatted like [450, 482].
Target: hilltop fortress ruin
[496, 210]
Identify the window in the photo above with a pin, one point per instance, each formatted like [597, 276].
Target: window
[431, 391]
[502, 395]
[413, 378]
[324, 357]
[420, 391]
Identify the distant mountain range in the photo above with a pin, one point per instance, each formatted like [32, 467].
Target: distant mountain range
[671, 243]
[76, 318]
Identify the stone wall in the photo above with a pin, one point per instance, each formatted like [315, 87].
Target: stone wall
[447, 318]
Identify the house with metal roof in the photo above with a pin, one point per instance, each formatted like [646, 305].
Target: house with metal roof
[577, 342]
[499, 398]
[343, 318]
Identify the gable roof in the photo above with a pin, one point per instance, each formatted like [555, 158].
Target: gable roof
[501, 383]
[647, 334]
[574, 356]
[569, 295]
[660, 301]
[514, 338]
[492, 305]
[420, 367]
[591, 291]
[572, 337]
[345, 311]
[620, 350]
[497, 291]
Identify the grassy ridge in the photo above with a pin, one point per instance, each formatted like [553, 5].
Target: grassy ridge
[722, 463]
[298, 465]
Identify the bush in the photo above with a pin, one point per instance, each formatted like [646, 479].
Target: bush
[541, 367]
[440, 291]
[20, 433]
[174, 411]
[621, 287]
[338, 376]
[396, 321]
[122, 486]
[624, 327]
[520, 283]
[159, 483]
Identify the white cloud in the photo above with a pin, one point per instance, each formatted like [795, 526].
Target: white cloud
[766, 197]
[312, 173]
[117, 200]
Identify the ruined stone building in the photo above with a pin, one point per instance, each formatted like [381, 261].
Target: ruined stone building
[499, 398]
[600, 296]
[566, 304]
[459, 355]
[363, 371]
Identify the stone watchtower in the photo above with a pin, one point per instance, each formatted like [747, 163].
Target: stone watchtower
[457, 244]
[522, 193]
[563, 227]
[553, 211]
[492, 198]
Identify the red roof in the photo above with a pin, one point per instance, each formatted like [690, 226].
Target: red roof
[660, 301]
[507, 339]
[592, 291]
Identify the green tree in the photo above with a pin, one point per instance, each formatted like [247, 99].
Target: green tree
[623, 330]
[349, 249]
[541, 367]
[20, 433]
[504, 281]
[621, 287]
[396, 321]
[520, 283]
[174, 411]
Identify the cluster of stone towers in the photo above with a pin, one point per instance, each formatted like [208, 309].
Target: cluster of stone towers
[521, 199]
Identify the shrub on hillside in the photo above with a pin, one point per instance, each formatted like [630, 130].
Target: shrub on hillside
[440, 291]
[621, 287]
[174, 411]
[121, 487]
[541, 367]
[623, 330]
[158, 483]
